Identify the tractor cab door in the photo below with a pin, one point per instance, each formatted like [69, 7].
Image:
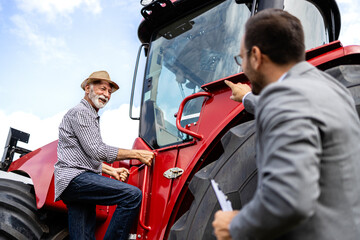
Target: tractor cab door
[196, 49]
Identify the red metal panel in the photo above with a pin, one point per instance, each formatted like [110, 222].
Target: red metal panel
[210, 125]
[40, 169]
[165, 192]
[160, 191]
[353, 49]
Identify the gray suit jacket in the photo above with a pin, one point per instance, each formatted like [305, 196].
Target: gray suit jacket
[308, 158]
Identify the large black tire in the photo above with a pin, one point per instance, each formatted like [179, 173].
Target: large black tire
[349, 76]
[20, 219]
[235, 172]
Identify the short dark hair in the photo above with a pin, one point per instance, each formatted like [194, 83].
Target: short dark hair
[278, 34]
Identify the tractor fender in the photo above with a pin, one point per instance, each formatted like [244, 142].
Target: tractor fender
[39, 166]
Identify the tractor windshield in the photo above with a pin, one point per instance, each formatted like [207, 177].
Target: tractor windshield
[192, 51]
[199, 49]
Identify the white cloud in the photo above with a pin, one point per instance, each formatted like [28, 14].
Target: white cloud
[48, 47]
[42, 131]
[349, 22]
[344, 1]
[117, 129]
[62, 7]
[32, 15]
[132, 7]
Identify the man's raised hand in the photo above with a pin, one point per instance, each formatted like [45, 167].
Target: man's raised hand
[239, 90]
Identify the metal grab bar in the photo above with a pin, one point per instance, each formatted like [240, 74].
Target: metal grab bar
[142, 217]
[180, 112]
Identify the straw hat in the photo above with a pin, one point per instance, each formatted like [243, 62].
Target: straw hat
[99, 75]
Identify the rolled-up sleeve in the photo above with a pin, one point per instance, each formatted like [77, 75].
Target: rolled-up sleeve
[86, 128]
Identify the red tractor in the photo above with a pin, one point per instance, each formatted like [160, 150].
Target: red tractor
[185, 116]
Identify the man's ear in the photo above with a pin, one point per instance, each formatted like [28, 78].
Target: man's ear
[87, 89]
[256, 57]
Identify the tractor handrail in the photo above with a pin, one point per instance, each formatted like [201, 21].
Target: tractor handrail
[144, 201]
[180, 112]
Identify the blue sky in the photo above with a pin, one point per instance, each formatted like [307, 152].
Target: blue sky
[47, 48]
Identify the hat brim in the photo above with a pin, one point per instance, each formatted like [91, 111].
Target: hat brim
[87, 81]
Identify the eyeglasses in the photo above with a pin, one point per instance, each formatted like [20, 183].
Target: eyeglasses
[238, 60]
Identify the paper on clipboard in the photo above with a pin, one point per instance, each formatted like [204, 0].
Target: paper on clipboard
[225, 204]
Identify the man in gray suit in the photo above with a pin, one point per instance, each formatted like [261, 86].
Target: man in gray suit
[307, 146]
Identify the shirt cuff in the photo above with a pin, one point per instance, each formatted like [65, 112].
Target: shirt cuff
[112, 154]
[243, 99]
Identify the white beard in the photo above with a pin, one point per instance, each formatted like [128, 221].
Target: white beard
[95, 98]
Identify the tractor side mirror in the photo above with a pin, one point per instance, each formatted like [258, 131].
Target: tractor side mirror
[137, 84]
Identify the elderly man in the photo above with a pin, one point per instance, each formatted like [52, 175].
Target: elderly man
[81, 153]
[307, 145]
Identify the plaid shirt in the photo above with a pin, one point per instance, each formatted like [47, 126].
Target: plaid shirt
[80, 146]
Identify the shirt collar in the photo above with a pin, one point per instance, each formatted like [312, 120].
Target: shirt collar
[282, 77]
[88, 105]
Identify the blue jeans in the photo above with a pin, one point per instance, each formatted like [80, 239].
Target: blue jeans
[90, 189]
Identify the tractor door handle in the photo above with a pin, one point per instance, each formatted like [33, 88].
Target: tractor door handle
[144, 200]
[180, 112]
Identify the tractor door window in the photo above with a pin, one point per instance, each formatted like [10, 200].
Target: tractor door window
[184, 55]
[315, 27]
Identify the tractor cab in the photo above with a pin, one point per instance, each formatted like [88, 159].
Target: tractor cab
[189, 44]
